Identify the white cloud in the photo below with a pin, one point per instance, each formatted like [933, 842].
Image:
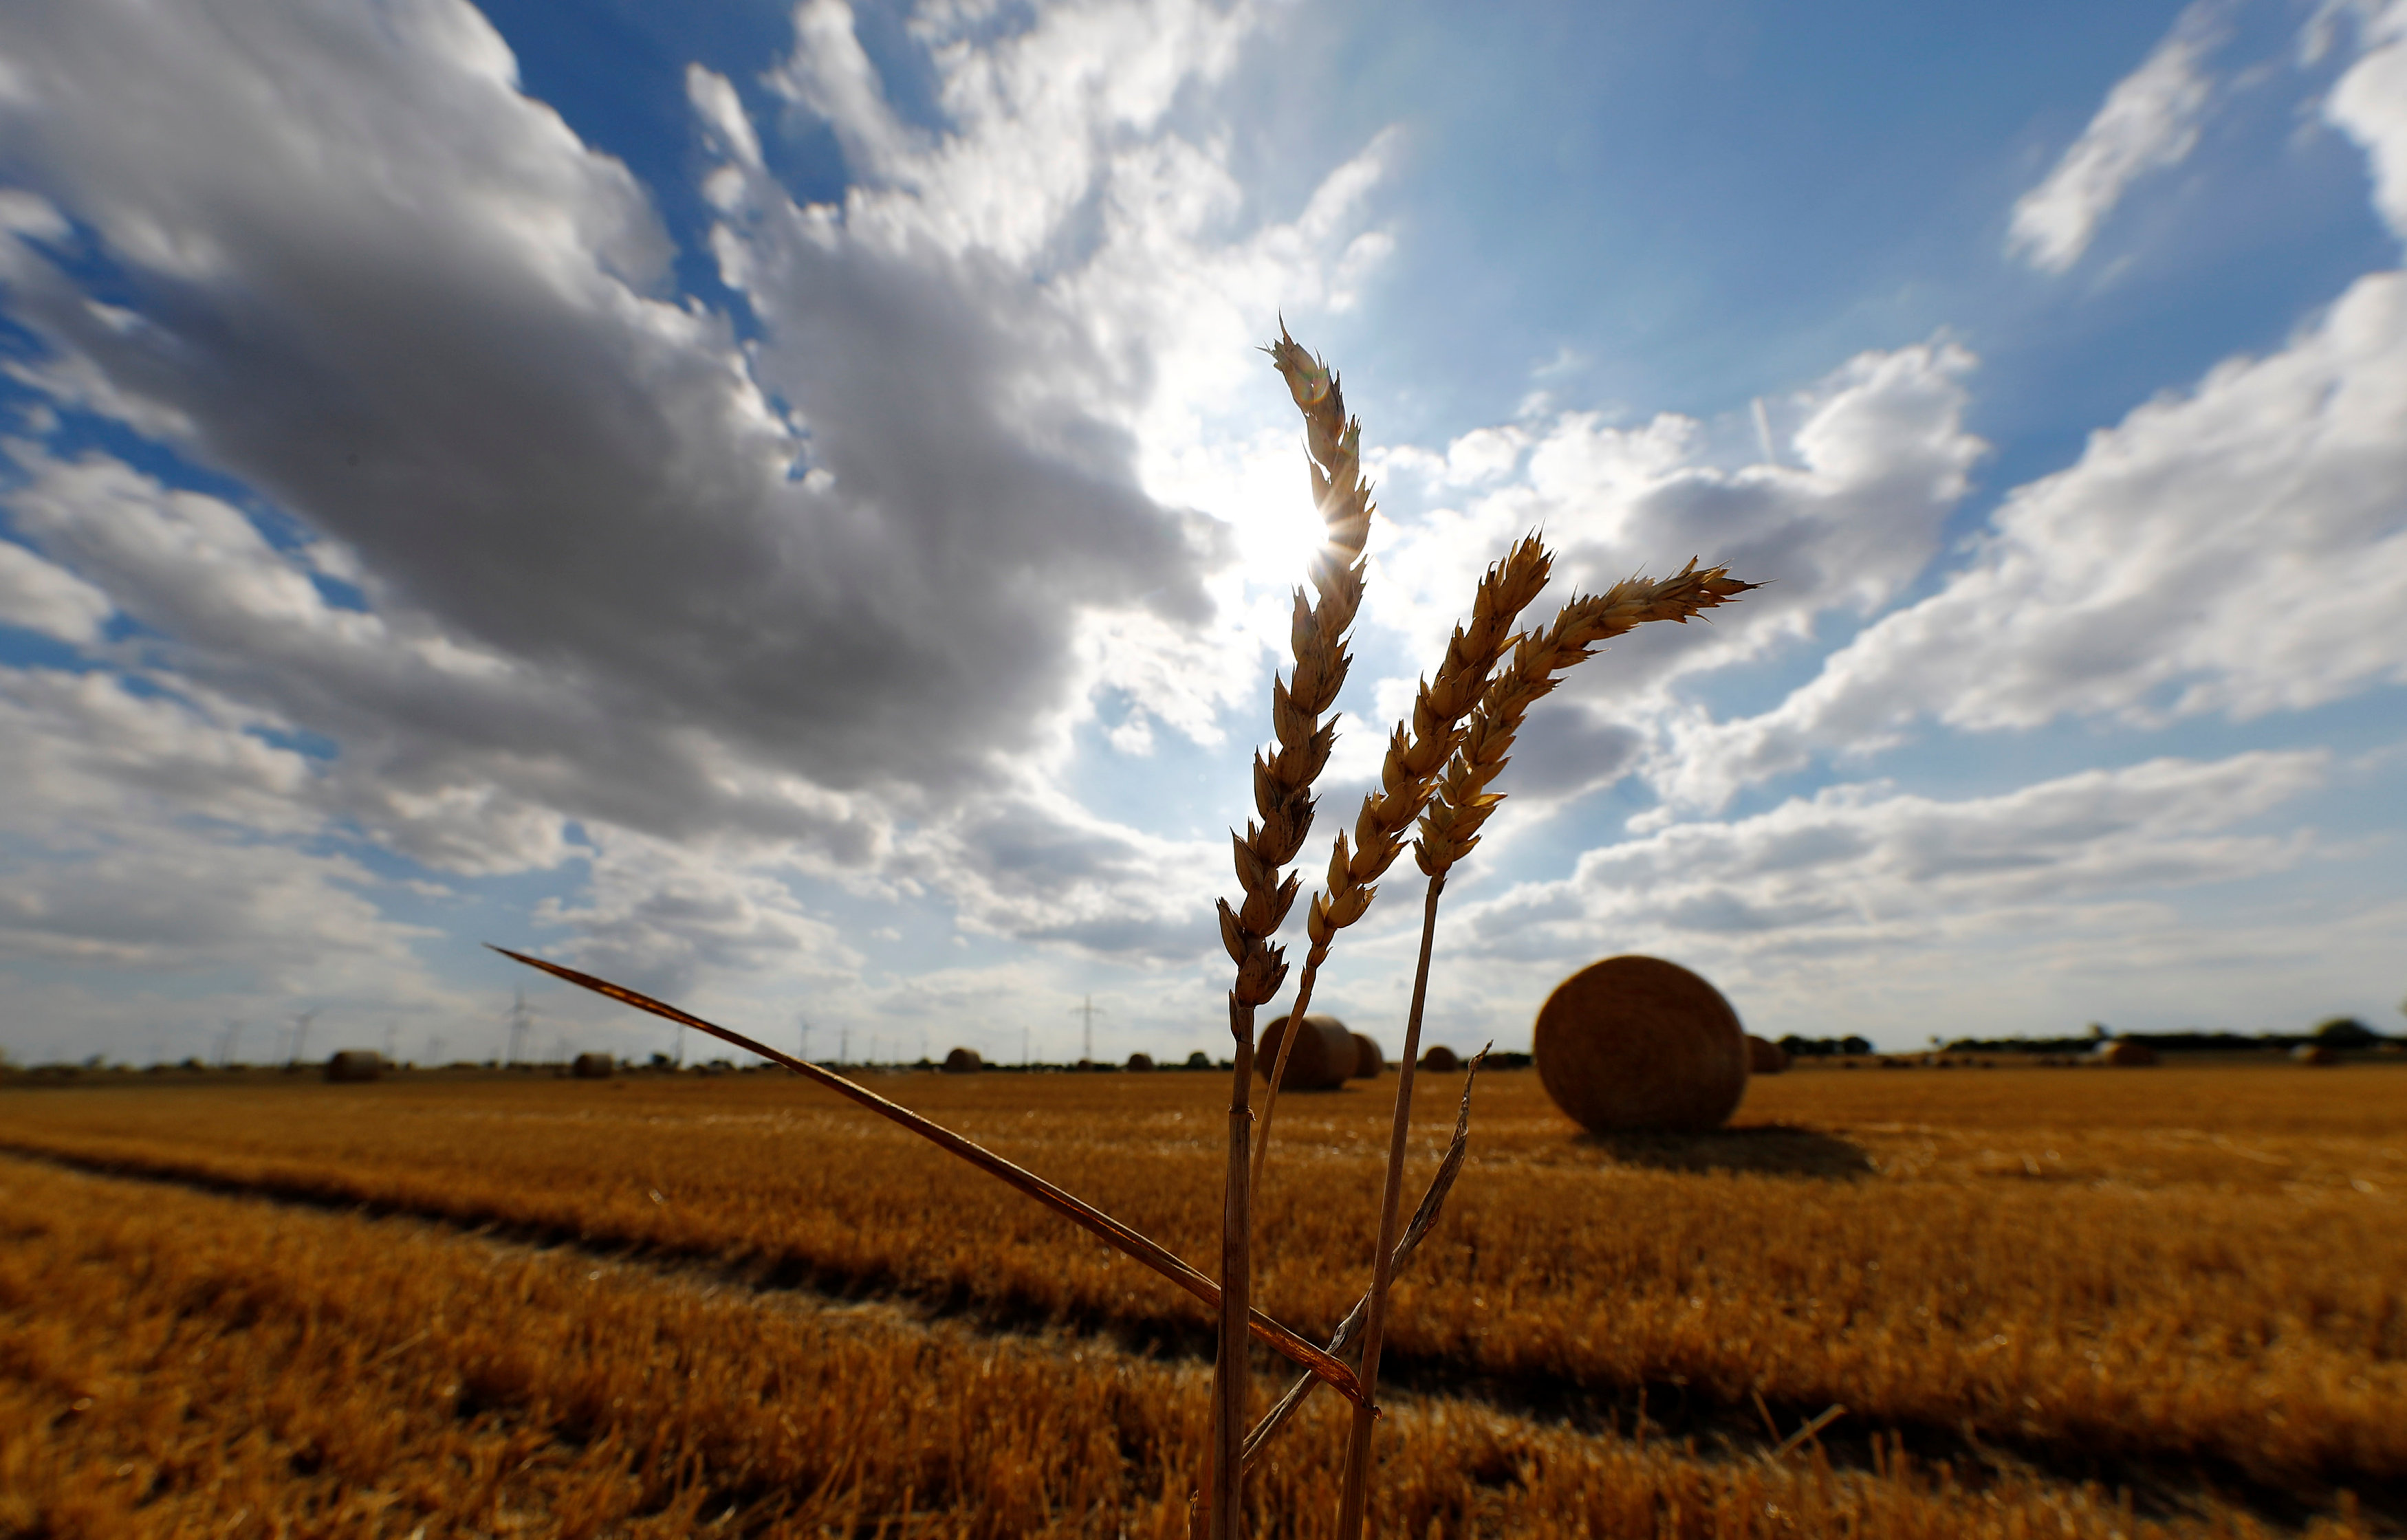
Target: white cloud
[2235, 550]
[2150, 121]
[41, 597]
[2369, 103]
[1881, 457]
[1855, 880]
[771, 600]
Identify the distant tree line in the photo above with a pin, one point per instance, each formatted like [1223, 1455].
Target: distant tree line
[1822, 1048]
[2339, 1032]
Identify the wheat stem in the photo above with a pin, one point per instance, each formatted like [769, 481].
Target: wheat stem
[1283, 798]
[1424, 1217]
[1355, 1498]
[1279, 1338]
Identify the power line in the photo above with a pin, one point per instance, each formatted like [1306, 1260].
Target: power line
[1089, 1011]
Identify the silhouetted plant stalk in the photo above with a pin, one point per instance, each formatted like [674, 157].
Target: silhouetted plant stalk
[1433, 1203]
[1448, 832]
[1086, 1215]
[1283, 800]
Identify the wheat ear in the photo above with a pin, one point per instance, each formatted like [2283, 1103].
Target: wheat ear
[1448, 832]
[1283, 801]
[1407, 779]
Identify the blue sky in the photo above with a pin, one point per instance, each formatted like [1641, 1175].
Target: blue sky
[779, 506]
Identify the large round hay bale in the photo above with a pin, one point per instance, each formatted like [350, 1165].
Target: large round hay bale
[355, 1063]
[594, 1067]
[1637, 1042]
[2127, 1054]
[964, 1061]
[1139, 1063]
[1764, 1057]
[1440, 1059]
[2315, 1053]
[1324, 1054]
[1369, 1062]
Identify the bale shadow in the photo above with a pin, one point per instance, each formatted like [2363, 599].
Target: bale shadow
[1771, 1148]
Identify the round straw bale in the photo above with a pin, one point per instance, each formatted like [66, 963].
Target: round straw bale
[1324, 1054]
[1764, 1057]
[2125, 1054]
[355, 1063]
[1637, 1042]
[1139, 1063]
[1442, 1059]
[1369, 1062]
[2315, 1053]
[964, 1061]
[594, 1067]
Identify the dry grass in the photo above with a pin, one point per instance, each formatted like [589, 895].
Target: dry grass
[178, 1363]
[2177, 1267]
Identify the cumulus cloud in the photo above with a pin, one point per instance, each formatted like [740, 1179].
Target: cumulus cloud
[2150, 121]
[1858, 879]
[2369, 103]
[570, 552]
[1878, 457]
[2237, 549]
[43, 597]
[409, 305]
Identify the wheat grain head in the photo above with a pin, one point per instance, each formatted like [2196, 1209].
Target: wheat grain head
[1463, 802]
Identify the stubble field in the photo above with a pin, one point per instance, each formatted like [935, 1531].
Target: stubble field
[2051, 1302]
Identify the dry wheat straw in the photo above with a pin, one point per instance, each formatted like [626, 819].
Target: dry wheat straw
[1111, 1231]
[1433, 1203]
[1407, 779]
[1448, 832]
[1283, 800]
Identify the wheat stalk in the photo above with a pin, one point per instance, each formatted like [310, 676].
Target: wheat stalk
[1407, 779]
[1433, 1203]
[1448, 832]
[1283, 800]
[1286, 1342]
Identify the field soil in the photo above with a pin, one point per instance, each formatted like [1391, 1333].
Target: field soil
[2163, 1301]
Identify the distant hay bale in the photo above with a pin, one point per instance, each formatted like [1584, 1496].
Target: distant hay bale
[1369, 1062]
[2125, 1054]
[2315, 1053]
[1139, 1063]
[1639, 1043]
[963, 1060]
[594, 1067]
[1440, 1059]
[355, 1063]
[1324, 1056]
[1764, 1057]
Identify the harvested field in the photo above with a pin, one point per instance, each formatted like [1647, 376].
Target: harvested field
[2184, 1283]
